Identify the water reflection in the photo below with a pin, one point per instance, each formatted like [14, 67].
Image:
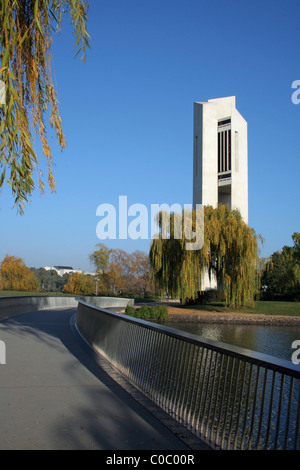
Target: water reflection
[272, 340]
[233, 403]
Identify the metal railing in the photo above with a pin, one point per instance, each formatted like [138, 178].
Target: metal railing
[230, 397]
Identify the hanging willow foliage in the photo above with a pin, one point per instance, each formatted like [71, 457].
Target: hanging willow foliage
[230, 253]
[25, 52]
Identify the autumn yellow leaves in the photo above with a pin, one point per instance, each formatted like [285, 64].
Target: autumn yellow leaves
[230, 253]
[16, 276]
[26, 72]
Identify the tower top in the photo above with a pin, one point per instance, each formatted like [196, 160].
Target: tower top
[227, 99]
[220, 155]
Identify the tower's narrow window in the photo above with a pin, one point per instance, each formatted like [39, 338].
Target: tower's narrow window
[224, 147]
[229, 149]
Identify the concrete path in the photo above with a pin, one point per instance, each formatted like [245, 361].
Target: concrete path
[56, 395]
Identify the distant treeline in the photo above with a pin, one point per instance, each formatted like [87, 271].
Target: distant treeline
[50, 280]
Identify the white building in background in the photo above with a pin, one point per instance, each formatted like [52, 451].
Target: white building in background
[220, 171]
[220, 161]
[62, 270]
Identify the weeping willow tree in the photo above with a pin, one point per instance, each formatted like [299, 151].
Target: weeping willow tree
[230, 253]
[28, 93]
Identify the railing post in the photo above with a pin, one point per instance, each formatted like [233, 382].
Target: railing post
[226, 395]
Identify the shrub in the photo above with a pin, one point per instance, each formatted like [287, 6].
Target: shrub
[144, 312]
[207, 297]
[161, 312]
[131, 311]
[157, 312]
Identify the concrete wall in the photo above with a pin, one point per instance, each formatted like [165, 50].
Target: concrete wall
[108, 302]
[206, 188]
[197, 163]
[10, 306]
[240, 164]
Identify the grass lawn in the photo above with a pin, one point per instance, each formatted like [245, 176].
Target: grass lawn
[261, 307]
[277, 308]
[14, 293]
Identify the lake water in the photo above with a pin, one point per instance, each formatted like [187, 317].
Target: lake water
[272, 340]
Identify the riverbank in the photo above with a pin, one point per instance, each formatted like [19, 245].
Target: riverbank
[176, 312]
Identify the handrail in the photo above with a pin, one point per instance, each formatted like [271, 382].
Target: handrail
[231, 397]
[11, 306]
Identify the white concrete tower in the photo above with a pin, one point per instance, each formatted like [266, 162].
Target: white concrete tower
[220, 173]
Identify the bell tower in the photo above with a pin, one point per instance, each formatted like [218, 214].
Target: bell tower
[220, 166]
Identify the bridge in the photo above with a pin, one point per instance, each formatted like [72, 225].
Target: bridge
[57, 394]
[79, 375]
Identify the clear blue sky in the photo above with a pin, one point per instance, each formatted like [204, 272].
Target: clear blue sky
[128, 119]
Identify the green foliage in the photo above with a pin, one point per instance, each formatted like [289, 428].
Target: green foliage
[50, 280]
[100, 259]
[208, 297]
[230, 252]
[156, 312]
[160, 312]
[26, 70]
[131, 311]
[281, 273]
[144, 312]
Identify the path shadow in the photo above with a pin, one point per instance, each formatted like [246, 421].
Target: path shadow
[114, 415]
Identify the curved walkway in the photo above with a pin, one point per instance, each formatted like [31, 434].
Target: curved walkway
[57, 394]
